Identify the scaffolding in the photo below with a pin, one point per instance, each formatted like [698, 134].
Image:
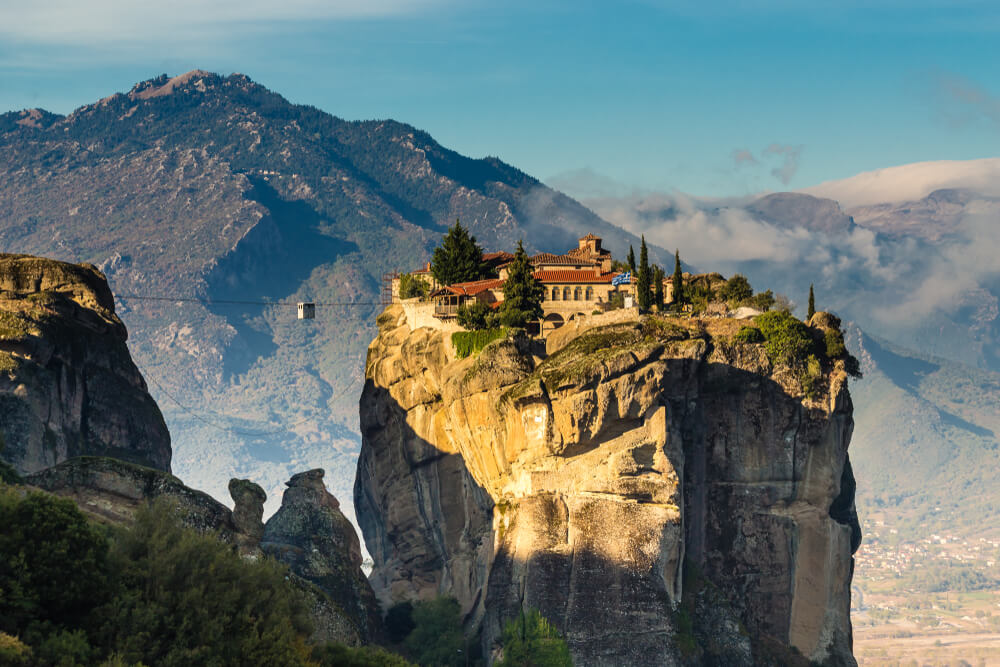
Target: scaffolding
[388, 292]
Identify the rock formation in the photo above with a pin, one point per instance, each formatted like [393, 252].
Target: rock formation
[309, 533]
[661, 493]
[68, 386]
[319, 544]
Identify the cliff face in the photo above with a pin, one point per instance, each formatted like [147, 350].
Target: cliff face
[68, 386]
[661, 494]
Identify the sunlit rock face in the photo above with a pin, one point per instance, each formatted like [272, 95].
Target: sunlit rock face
[68, 386]
[661, 494]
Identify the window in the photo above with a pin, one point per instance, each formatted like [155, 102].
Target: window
[567, 295]
[590, 293]
[577, 294]
[555, 293]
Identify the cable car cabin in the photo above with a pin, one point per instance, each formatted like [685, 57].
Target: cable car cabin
[307, 310]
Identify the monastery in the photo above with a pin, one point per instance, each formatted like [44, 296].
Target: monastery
[576, 283]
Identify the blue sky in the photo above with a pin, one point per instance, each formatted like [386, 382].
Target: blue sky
[736, 98]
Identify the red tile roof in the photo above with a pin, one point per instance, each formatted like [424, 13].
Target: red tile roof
[567, 259]
[472, 288]
[582, 277]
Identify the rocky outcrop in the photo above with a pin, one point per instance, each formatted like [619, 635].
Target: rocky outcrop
[68, 386]
[308, 533]
[659, 492]
[319, 544]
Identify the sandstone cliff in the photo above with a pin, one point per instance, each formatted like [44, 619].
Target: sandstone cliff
[68, 386]
[661, 493]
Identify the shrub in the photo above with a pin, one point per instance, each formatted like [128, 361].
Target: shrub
[13, 651]
[339, 655]
[530, 639]
[437, 637]
[834, 344]
[474, 316]
[811, 377]
[472, 342]
[749, 335]
[411, 286]
[787, 339]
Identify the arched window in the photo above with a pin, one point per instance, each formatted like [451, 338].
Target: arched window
[590, 293]
[577, 294]
[567, 294]
[555, 293]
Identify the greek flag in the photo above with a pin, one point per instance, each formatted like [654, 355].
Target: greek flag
[622, 279]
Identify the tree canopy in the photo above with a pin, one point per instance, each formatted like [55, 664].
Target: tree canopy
[522, 294]
[677, 280]
[530, 640]
[459, 258]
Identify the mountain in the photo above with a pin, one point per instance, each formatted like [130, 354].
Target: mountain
[910, 182]
[212, 205]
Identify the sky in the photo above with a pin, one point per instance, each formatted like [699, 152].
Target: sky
[713, 99]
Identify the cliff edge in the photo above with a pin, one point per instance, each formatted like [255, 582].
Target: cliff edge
[658, 489]
[68, 386]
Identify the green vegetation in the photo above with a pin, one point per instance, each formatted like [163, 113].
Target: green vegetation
[531, 641]
[658, 277]
[631, 259]
[644, 279]
[677, 281]
[736, 290]
[475, 316]
[13, 326]
[459, 258]
[157, 593]
[788, 341]
[812, 304]
[472, 342]
[338, 655]
[749, 335]
[522, 294]
[437, 639]
[411, 286]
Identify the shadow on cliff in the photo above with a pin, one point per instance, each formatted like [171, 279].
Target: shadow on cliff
[270, 263]
[747, 445]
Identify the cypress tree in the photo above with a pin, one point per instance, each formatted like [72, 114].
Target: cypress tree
[522, 294]
[812, 304]
[458, 259]
[643, 281]
[677, 281]
[658, 276]
[631, 259]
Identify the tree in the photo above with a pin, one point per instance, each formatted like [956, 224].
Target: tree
[530, 640]
[522, 294]
[677, 280]
[644, 279]
[474, 316]
[736, 290]
[812, 304]
[437, 637]
[658, 276]
[631, 259]
[411, 286]
[458, 259]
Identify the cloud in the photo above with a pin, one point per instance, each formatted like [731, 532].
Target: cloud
[790, 161]
[107, 22]
[963, 101]
[742, 156]
[902, 288]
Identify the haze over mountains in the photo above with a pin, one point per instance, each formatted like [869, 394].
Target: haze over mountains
[209, 188]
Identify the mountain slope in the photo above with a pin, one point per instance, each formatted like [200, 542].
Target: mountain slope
[208, 188]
